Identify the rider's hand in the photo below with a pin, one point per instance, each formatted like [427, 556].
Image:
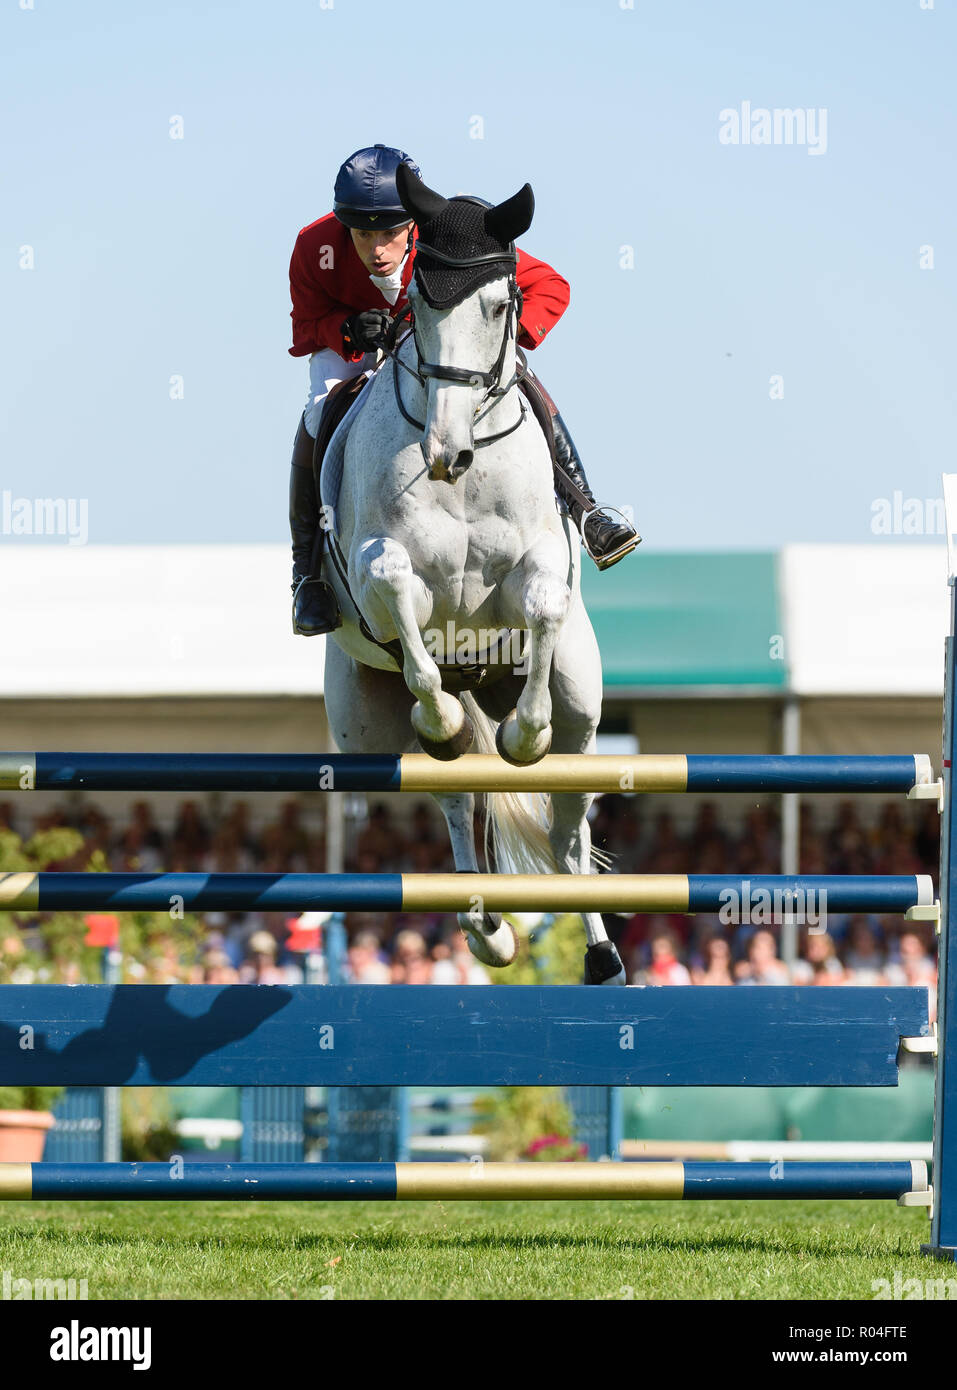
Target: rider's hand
[365, 331]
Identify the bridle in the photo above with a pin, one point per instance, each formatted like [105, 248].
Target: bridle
[461, 376]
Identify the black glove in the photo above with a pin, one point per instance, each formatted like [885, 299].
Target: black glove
[365, 331]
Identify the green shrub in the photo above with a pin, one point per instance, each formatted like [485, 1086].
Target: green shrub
[549, 955]
[29, 1097]
[149, 1132]
[516, 1117]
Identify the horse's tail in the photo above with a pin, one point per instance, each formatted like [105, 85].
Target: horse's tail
[516, 823]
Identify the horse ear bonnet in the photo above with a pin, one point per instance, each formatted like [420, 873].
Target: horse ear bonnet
[462, 228]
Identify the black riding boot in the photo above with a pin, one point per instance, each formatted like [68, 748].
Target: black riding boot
[608, 539]
[314, 608]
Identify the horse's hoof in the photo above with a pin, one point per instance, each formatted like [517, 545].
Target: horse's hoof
[493, 942]
[507, 727]
[447, 750]
[603, 965]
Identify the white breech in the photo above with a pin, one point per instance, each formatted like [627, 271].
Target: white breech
[326, 369]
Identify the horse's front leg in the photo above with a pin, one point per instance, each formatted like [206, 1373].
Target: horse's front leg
[491, 940]
[537, 589]
[396, 601]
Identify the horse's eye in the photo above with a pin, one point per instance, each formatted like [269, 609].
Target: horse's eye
[500, 310]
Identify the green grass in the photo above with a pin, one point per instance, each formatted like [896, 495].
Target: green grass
[467, 1250]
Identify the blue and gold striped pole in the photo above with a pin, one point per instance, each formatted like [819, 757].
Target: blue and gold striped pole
[761, 897]
[385, 1182]
[481, 772]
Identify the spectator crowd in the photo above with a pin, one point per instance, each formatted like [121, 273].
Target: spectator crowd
[639, 834]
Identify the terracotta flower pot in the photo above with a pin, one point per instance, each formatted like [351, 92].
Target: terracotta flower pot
[23, 1134]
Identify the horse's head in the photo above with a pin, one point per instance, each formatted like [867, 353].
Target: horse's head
[466, 304]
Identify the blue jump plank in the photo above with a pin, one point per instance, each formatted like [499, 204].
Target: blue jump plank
[238, 1035]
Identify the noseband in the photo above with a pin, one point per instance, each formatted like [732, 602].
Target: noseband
[461, 376]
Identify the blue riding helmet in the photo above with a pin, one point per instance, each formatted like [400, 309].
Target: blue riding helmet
[365, 193]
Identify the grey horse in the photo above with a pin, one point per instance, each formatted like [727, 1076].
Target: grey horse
[446, 527]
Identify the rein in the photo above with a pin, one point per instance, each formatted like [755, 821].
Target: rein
[461, 376]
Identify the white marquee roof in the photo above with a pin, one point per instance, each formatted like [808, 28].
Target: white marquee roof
[865, 619]
[215, 619]
[152, 620]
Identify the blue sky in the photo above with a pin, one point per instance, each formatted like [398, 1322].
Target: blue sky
[156, 258]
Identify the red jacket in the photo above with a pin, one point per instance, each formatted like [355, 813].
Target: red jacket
[328, 283]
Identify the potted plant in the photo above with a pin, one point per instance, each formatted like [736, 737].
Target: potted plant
[25, 1116]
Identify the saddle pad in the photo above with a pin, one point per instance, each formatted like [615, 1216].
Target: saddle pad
[330, 477]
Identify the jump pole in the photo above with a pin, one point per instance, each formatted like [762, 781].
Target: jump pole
[416, 772]
[386, 1182]
[741, 897]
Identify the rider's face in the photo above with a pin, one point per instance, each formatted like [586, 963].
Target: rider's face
[381, 252]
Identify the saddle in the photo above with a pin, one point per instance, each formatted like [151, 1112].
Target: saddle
[337, 402]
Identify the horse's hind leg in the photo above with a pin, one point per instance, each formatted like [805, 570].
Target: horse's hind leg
[491, 940]
[395, 600]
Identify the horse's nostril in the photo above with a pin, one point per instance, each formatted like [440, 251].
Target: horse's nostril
[463, 461]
